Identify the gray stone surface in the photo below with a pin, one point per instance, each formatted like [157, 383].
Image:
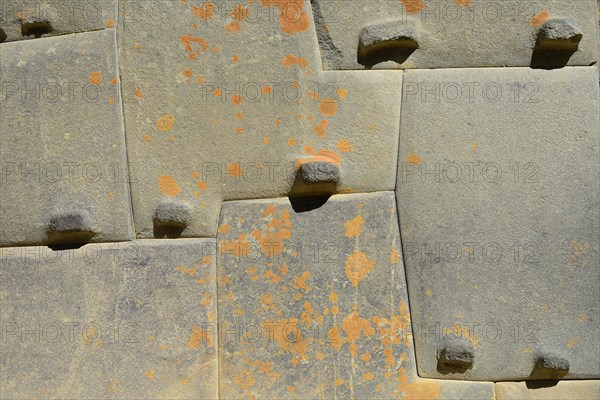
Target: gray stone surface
[223, 105]
[62, 144]
[561, 390]
[313, 304]
[498, 201]
[21, 20]
[318, 172]
[453, 34]
[107, 321]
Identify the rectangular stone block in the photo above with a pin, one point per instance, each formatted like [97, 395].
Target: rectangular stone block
[313, 304]
[450, 34]
[62, 145]
[127, 320]
[225, 102]
[498, 200]
[31, 19]
[561, 390]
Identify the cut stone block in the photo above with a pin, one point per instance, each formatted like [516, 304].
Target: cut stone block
[127, 320]
[313, 304]
[20, 20]
[393, 40]
[452, 34]
[498, 200]
[62, 145]
[225, 102]
[559, 390]
[319, 172]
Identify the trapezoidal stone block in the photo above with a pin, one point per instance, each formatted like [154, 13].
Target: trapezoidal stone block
[62, 149]
[451, 34]
[497, 196]
[225, 102]
[312, 303]
[126, 320]
[33, 19]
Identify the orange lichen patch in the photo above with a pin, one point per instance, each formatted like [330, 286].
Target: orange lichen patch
[109, 23]
[138, 93]
[245, 378]
[150, 374]
[234, 169]
[339, 382]
[335, 338]
[137, 46]
[582, 318]
[300, 283]
[165, 123]
[344, 146]
[267, 301]
[343, 93]
[275, 232]
[540, 18]
[240, 13]
[292, 142]
[239, 115]
[358, 267]
[278, 122]
[168, 186]
[217, 93]
[368, 376]
[323, 155]
[114, 81]
[465, 3]
[267, 89]
[292, 17]
[289, 61]
[188, 73]
[393, 330]
[333, 297]
[413, 6]
[287, 333]
[474, 146]
[239, 130]
[198, 336]
[355, 327]
[200, 79]
[147, 138]
[366, 357]
[188, 40]
[111, 101]
[239, 248]
[413, 159]
[206, 260]
[572, 342]
[266, 140]
[394, 255]
[428, 292]
[464, 331]
[202, 185]
[235, 58]
[95, 78]
[353, 226]
[204, 13]
[233, 27]
[328, 107]
[426, 389]
[236, 99]
[193, 272]
[206, 300]
[224, 229]
[321, 129]
[578, 249]
[216, 50]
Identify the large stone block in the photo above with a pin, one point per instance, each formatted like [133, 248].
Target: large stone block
[313, 304]
[560, 390]
[128, 320]
[498, 200]
[31, 19]
[62, 145]
[450, 34]
[227, 101]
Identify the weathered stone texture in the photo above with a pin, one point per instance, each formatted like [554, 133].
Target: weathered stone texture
[223, 105]
[562, 390]
[62, 144]
[128, 320]
[313, 303]
[498, 201]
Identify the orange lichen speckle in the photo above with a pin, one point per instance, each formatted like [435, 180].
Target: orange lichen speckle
[109, 23]
[234, 169]
[198, 336]
[204, 13]
[358, 267]
[344, 146]
[188, 73]
[413, 159]
[95, 78]
[368, 376]
[321, 129]
[292, 17]
[342, 93]
[465, 3]
[168, 186]
[572, 342]
[236, 99]
[266, 140]
[353, 227]
[355, 327]
[188, 40]
[300, 281]
[540, 18]
[147, 138]
[413, 6]
[292, 142]
[165, 123]
[289, 61]
[138, 93]
[328, 107]
[267, 89]
[150, 374]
